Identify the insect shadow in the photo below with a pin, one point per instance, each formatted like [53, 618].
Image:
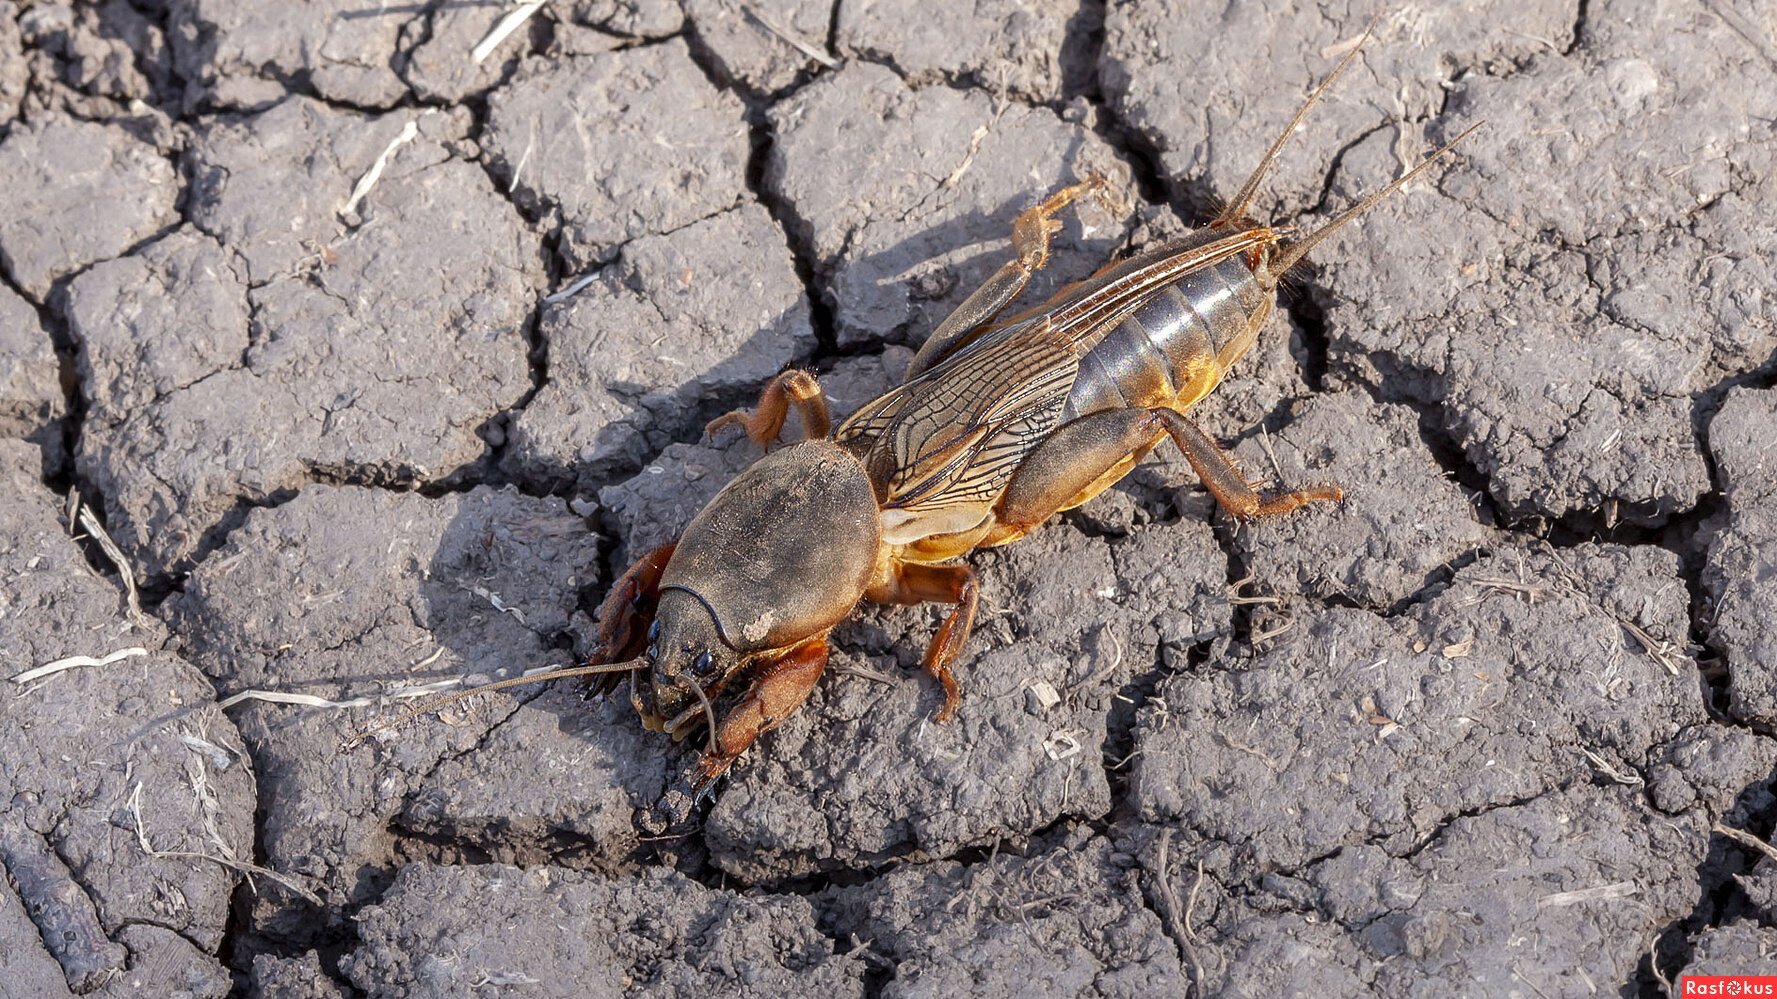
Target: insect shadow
[550, 778]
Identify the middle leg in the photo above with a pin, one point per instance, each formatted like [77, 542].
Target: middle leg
[913, 583]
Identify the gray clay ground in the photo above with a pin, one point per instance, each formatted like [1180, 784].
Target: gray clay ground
[1502, 723]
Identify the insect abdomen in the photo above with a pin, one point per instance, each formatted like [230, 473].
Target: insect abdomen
[1173, 348]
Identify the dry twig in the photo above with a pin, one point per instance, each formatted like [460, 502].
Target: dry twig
[1273, 632]
[229, 862]
[1619, 889]
[1531, 592]
[90, 524]
[1653, 964]
[399, 694]
[1661, 652]
[409, 132]
[1178, 925]
[1615, 773]
[789, 39]
[1745, 838]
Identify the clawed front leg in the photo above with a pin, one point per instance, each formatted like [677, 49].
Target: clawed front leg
[626, 613]
[775, 695]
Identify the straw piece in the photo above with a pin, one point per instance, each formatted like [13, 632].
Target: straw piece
[409, 132]
[513, 20]
[790, 39]
[76, 661]
[238, 865]
[96, 531]
[1619, 889]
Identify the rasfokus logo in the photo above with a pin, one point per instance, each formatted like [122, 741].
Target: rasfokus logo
[1732, 986]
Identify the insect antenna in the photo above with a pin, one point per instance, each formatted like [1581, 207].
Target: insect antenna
[1297, 250]
[438, 702]
[1236, 209]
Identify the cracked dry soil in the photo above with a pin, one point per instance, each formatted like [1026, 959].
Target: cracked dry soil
[1499, 724]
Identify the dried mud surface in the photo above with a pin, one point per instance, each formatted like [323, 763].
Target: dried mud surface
[337, 363]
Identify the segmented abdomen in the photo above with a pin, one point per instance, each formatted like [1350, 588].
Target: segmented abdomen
[1174, 347]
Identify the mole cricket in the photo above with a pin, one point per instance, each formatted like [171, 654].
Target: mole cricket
[998, 424]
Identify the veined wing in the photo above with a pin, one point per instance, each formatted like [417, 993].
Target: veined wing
[1094, 304]
[955, 434]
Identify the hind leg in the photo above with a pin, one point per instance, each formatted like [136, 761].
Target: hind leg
[1071, 466]
[1223, 479]
[766, 420]
[1031, 233]
[1082, 457]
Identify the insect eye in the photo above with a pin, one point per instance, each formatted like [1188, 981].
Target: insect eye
[703, 664]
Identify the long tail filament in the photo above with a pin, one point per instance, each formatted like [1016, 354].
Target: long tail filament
[1237, 208]
[1297, 250]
